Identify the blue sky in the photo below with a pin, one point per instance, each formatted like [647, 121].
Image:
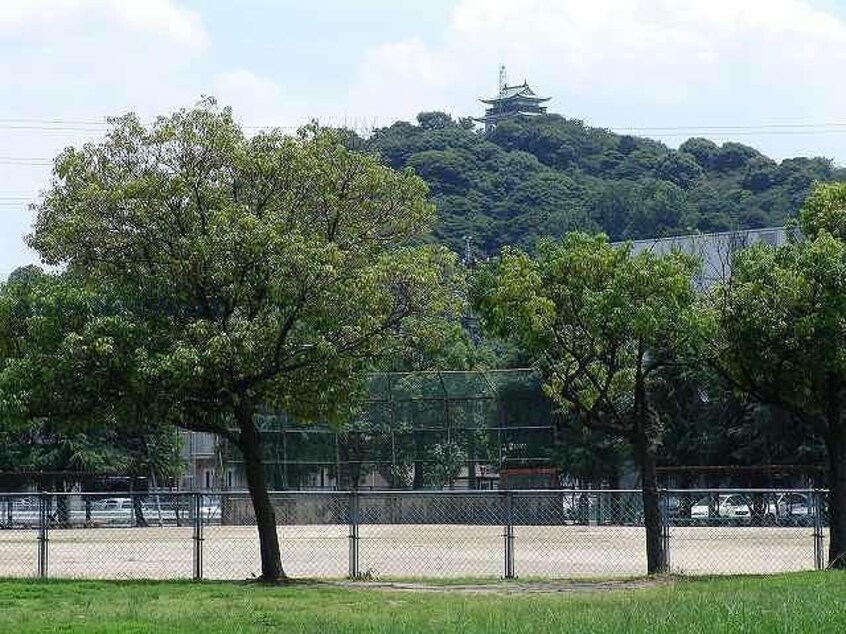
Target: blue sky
[764, 72]
[307, 43]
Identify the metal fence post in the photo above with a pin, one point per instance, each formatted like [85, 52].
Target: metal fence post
[197, 509]
[509, 535]
[354, 521]
[43, 534]
[816, 498]
[665, 528]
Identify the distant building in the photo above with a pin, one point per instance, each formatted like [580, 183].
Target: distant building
[512, 101]
[202, 459]
[715, 250]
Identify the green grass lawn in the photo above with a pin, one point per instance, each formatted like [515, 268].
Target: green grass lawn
[806, 602]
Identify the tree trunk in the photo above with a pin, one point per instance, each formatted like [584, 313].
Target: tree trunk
[250, 442]
[137, 510]
[656, 561]
[62, 511]
[837, 495]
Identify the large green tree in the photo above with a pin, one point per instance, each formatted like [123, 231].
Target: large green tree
[263, 272]
[601, 323]
[61, 402]
[778, 331]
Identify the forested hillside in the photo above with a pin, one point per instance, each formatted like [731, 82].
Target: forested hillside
[534, 177]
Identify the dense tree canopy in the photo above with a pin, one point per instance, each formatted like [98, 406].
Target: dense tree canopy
[59, 400]
[602, 324]
[778, 330]
[241, 273]
[543, 176]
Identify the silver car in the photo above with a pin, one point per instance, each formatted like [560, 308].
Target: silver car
[730, 506]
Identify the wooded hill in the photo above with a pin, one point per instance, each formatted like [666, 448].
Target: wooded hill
[544, 176]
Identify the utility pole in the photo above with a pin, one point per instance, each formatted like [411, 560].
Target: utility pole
[468, 251]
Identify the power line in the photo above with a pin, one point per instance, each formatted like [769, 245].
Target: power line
[757, 126]
[79, 125]
[39, 161]
[357, 121]
[737, 130]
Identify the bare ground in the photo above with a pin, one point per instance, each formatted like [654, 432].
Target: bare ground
[408, 552]
[557, 586]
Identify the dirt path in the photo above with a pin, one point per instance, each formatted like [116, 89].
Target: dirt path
[513, 587]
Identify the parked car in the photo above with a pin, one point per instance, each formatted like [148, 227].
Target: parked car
[579, 506]
[112, 511]
[730, 507]
[21, 512]
[210, 510]
[791, 509]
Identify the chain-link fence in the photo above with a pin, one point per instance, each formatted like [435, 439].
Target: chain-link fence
[395, 534]
[760, 531]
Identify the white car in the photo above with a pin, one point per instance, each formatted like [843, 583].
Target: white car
[112, 511]
[20, 512]
[728, 505]
[790, 508]
[210, 512]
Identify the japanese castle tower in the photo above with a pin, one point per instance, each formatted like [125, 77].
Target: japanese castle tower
[512, 101]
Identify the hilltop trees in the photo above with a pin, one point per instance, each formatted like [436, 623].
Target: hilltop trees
[601, 323]
[538, 177]
[242, 273]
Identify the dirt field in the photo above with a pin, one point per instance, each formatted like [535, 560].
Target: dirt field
[231, 552]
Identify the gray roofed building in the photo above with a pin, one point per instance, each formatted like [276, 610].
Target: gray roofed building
[715, 249]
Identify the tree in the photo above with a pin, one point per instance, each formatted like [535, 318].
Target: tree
[435, 120]
[680, 168]
[266, 272]
[734, 156]
[778, 331]
[601, 323]
[703, 150]
[55, 375]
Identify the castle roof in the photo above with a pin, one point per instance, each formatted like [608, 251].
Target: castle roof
[521, 91]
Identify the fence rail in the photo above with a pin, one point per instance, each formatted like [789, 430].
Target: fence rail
[544, 533]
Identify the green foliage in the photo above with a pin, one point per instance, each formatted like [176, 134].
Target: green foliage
[539, 177]
[61, 378]
[778, 321]
[602, 324]
[777, 328]
[271, 271]
[445, 460]
[274, 268]
[703, 151]
[592, 314]
[435, 120]
[825, 211]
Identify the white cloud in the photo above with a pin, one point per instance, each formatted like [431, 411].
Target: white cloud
[257, 100]
[82, 60]
[162, 16]
[159, 17]
[629, 63]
